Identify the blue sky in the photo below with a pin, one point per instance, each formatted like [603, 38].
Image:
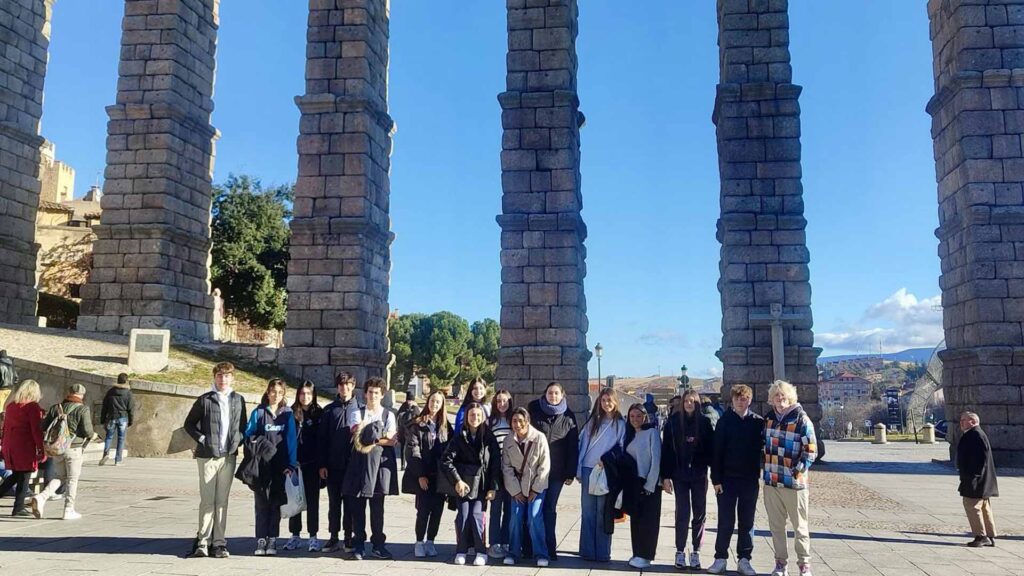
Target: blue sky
[650, 177]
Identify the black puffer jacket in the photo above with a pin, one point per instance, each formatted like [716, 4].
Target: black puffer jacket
[307, 435]
[687, 447]
[203, 424]
[423, 451]
[334, 438]
[563, 440]
[977, 468]
[474, 459]
[118, 403]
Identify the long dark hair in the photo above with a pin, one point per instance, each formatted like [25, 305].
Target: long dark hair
[469, 392]
[274, 383]
[314, 407]
[597, 413]
[495, 415]
[698, 415]
[482, 428]
[440, 419]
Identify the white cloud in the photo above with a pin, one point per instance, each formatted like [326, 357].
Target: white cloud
[899, 322]
[668, 338]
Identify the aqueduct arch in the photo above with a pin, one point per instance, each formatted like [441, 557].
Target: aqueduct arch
[153, 249]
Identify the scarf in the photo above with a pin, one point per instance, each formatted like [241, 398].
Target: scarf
[553, 409]
[785, 412]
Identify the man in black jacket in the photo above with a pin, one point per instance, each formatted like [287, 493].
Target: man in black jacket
[117, 415]
[217, 423]
[977, 480]
[335, 444]
[735, 472]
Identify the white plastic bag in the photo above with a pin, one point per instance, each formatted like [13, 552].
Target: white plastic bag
[598, 481]
[296, 493]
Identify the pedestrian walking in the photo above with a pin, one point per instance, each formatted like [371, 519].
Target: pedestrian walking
[307, 412]
[78, 418]
[427, 436]
[21, 443]
[642, 496]
[526, 467]
[550, 415]
[789, 451]
[117, 415]
[335, 447]
[217, 423]
[978, 484]
[688, 446]
[604, 430]
[499, 423]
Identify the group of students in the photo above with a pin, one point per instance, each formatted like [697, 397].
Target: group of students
[502, 468]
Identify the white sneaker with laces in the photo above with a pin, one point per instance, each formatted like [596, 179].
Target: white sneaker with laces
[70, 514]
[460, 559]
[419, 550]
[509, 561]
[480, 560]
[314, 544]
[293, 543]
[780, 568]
[261, 547]
[680, 559]
[638, 562]
[744, 568]
[542, 562]
[430, 549]
[717, 567]
[695, 560]
[272, 547]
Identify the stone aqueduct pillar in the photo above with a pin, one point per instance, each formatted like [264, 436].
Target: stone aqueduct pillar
[25, 29]
[152, 253]
[341, 231]
[764, 256]
[977, 126]
[543, 309]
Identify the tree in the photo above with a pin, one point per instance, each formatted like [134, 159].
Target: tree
[485, 341]
[447, 349]
[443, 347]
[401, 332]
[250, 249]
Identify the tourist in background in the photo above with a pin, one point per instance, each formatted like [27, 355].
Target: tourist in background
[688, 445]
[477, 392]
[426, 436]
[335, 446]
[272, 424]
[69, 464]
[550, 415]
[977, 479]
[307, 412]
[735, 471]
[652, 410]
[673, 404]
[117, 415]
[525, 466]
[407, 412]
[604, 430]
[217, 423]
[470, 467]
[372, 471]
[789, 450]
[499, 423]
[643, 492]
[709, 411]
[21, 443]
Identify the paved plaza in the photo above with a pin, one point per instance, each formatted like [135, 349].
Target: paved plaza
[875, 511]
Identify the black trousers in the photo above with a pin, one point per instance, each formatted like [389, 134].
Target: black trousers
[358, 506]
[336, 522]
[19, 481]
[645, 524]
[311, 485]
[429, 508]
[469, 526]
[268, 515]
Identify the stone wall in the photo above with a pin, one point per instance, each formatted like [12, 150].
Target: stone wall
[25, 30]
[161, 408]
[764, 257]
[543, 308]
[152, 253]
[977, 126]
[340, 256]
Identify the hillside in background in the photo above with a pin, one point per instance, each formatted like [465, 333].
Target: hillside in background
[910, 355]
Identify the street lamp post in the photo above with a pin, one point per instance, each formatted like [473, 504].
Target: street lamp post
[684, 380]
[598, 350]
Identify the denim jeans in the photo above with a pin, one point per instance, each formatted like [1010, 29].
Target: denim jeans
[120, 426]
[534, 513]
[594, 543]
[738, 498]
[501, 509]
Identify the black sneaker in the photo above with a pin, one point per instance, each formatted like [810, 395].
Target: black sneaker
[382, 553]
[978, 542]
[347, 545]
[197, 551]
[331, 545]
[221, 552]
[991, 542]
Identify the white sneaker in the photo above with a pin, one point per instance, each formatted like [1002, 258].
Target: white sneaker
[695, 560]
[261, 547]
[272, 547]
[542, 562]
[638, 562]
[509, 561]
[717, 567]
[419, 550]
[744, 568]
[55, 498]
[680, 559]
[314, 544]
[780, 568]
[805, 570]
[70, 514]
[496, 551]
[460, 559]
[428, 546]
[38, 505]
[293, 543]
[480, 560]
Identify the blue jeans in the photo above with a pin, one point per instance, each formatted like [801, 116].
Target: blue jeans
[535, 511]
[738, 498]
[594, 543]
[119, 425]
[501, 510]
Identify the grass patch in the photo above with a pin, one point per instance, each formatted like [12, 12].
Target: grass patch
[200, 372]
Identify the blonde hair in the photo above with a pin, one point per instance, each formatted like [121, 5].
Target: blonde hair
[784, 388]
[741, 390]
[27, 391]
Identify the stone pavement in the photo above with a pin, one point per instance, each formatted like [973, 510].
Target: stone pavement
[875, 511]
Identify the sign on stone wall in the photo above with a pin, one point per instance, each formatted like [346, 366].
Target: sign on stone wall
[148, 350]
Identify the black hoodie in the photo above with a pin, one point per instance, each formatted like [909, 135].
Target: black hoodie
[334, 438]
[739, 447]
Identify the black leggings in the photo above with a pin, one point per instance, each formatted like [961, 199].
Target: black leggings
[429, 508]
[18, 480]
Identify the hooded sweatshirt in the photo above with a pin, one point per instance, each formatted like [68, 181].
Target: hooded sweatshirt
[789, 448]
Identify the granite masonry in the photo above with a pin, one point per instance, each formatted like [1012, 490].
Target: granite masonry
[152, 253]
[25, 37]
[977, 125]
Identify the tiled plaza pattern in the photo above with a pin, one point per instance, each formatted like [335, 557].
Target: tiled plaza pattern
[875, 511]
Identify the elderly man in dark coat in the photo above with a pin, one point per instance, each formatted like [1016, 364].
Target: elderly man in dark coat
[977, 480]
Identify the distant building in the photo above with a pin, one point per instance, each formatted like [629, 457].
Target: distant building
[57, 178]
[844, 388]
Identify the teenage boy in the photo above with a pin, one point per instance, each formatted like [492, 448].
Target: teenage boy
[335, 443]
[372, 471]
[735, 471]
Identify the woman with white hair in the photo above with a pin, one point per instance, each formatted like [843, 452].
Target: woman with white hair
[22, 442]
[788, 453]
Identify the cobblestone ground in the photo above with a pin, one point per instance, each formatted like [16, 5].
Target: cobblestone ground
[875, 511]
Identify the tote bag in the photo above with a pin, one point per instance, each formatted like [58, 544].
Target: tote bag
[296, 493]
